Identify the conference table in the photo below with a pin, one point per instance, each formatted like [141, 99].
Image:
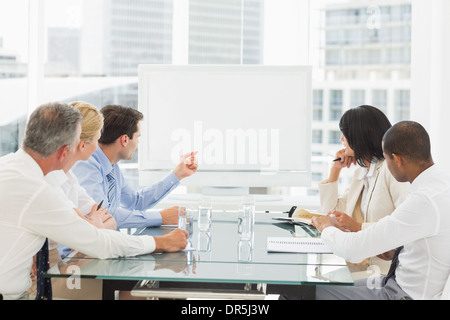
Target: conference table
[216, 264]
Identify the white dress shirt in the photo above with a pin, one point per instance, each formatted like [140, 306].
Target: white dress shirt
[422, 224]
[68, 185]
[32, 210]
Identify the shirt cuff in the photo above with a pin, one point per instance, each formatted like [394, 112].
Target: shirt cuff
[327, 235]
[154, 216]
[149, 243]
[172, 179]
[366, 225]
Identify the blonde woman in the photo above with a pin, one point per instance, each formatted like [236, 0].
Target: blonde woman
[90, 133]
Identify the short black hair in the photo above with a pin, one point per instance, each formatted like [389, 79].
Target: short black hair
[364, 128]
[119, 120]
[410, 140]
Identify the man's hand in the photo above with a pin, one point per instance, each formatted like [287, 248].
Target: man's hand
[172, 242]
[169, 216]
[325, 221]
[188, 166]
[387, 255]
[346, 223]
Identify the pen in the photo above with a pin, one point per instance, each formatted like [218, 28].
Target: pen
[336, 160]
[100, 205]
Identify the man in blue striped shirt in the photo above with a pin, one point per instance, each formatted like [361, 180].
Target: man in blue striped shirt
[103, 180]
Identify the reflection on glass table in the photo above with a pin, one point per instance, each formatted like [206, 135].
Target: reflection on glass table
[223, 244]
[218, 256]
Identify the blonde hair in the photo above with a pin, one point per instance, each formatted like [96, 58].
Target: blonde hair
[92, 120]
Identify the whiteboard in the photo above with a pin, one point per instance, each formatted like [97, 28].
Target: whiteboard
[251, 125]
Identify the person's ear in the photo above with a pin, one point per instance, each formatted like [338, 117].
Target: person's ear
[81, 146]
[61, 154]
[398, 160]
[124, 140]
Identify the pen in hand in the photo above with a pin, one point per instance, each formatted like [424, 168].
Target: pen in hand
[336, 160]
[99, 205]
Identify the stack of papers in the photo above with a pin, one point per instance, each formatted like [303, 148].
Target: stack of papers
[297, 245]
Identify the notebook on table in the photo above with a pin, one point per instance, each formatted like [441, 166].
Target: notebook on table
[297, 245]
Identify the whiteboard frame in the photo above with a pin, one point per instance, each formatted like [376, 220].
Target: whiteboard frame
[149, 174]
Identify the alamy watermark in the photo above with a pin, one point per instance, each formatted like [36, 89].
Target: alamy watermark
[74, 281]
[374, 17]
[255, 147]
[374, 280]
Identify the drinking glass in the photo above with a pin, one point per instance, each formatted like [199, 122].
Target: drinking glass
[204, 214]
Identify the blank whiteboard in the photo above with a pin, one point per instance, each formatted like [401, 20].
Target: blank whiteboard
[250, 124]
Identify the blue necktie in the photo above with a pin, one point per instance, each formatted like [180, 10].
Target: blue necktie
[44, 285]
[111, 186]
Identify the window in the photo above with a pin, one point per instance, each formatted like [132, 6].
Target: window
[379, 99]
[336, 100]
[317, 105]
[317, 136]
[334, 137]
[357, 98]
[13, 73]
[402, 104]
[317, 177]
[91, 50]
[364, 56]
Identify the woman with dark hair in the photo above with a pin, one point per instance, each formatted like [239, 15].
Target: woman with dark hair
[374, 193]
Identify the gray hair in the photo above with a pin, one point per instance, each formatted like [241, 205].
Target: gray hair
[50, 127]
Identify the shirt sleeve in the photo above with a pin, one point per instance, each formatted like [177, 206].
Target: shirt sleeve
[50, 215]
[126, 218]
[412, 220]
[147, 197]
[328, 193]
[135, 207]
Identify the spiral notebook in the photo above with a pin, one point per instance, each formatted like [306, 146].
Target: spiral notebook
[297, 245]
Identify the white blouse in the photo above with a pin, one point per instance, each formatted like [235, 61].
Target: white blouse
[366, 175]
[68, 184]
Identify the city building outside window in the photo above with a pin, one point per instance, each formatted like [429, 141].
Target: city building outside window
[360, 52]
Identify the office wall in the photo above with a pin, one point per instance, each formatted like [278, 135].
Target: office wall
[431, 73]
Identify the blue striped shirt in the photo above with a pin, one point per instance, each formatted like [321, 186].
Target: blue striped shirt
[129, 207]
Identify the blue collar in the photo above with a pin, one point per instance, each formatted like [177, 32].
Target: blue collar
[103, 160]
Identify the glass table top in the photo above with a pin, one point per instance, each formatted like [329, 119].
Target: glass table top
[219, 256]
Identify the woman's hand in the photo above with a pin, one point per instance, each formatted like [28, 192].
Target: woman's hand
[101, 218]
[346, 160]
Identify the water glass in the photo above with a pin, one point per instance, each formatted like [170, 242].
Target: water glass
[245, 251]
[204, 241]
[186, 219]
[204, 214]
[246, 219]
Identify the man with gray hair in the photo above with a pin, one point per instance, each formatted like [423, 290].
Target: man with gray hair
[50, 127]
[33, 210]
